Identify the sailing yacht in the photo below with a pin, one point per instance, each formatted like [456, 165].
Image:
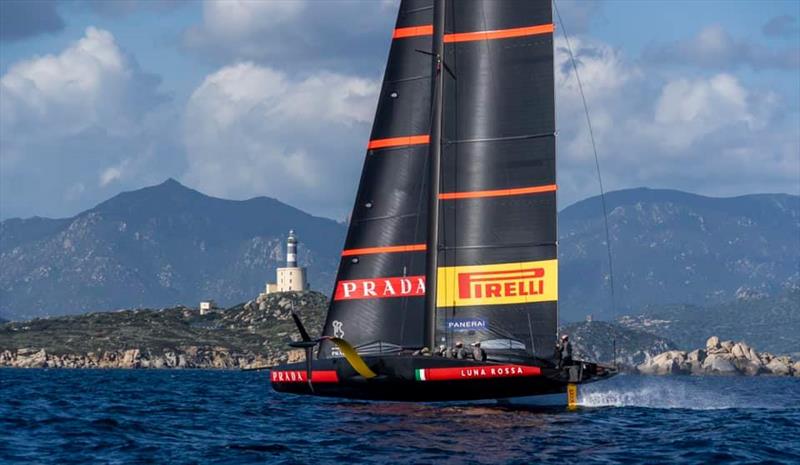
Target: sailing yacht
[453, 235]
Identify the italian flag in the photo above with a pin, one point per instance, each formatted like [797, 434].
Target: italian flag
[419, 374]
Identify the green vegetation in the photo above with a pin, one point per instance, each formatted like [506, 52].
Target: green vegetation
[242, 328]
[769, 323]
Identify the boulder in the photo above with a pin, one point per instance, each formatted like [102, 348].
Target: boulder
[296, 355]
[796, 369]
[30, 359]
[130, 358]
[749, 367]
[697, 355]
[720, 364]
[727, 346]
[740, 350]
[667, 363]
[779, 367]
[712, 343]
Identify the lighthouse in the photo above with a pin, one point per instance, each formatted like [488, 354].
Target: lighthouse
[290, 277]
[291, 250]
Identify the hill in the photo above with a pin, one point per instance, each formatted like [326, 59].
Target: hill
[159, 246]
[170, 337]
[770, 323]
[673, 247]
[241, 336]
[169, 245]
[600, 341]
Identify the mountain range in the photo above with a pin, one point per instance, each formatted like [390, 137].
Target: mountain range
[770, 322]
[672, 247]
[159, 246]
[168, 244]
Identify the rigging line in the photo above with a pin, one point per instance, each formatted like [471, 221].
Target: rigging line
[596, 158]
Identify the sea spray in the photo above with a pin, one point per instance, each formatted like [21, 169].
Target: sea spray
[667, 392]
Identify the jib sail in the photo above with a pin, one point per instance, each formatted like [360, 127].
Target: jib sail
[497, 278]
[380, 286]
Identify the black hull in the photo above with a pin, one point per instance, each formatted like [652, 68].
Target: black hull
[447, 379]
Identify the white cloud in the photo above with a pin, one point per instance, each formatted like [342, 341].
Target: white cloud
[709, 134]
[79, 88]
[236, 19]
[113, 173]
[713, 47]
[63, 115]
[302, 35]
[253, 130]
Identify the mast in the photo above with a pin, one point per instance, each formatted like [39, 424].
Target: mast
[431, 264]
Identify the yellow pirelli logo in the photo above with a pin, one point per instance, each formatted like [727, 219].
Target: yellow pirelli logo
[504, 283]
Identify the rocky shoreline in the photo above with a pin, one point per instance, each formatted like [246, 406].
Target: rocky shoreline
[720, 358]
[185, 357]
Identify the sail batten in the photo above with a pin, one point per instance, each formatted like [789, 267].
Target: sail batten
[499, 34]
[498, 192]
[398, 141]
[385, 249]
[413, 31]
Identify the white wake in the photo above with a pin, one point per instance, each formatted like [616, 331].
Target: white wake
[662, 392]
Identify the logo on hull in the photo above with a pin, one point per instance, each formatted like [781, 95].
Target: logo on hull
[300, 376]
[504, 283]
[380, 288]
[476, 372]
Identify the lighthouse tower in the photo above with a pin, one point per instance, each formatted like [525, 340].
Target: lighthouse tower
[291, 250]
[290, 277]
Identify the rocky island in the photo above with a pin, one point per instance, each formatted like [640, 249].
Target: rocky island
[257, 333]
[249, 335]
[720, 358]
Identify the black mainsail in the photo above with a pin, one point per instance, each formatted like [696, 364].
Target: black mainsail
[498, 275]
[453, 234]
[497, 204]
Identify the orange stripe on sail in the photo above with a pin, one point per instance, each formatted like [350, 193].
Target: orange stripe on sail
[498, 192]
[499, 34]
[398, 141]
[386, 249]
[413, 31]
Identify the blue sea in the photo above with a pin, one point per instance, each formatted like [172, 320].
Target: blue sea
[227, 417]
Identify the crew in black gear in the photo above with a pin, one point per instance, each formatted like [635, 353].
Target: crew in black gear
[477, 353]
[564, 352]
[459, 352]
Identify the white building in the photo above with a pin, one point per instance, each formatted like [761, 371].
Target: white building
[207, 306]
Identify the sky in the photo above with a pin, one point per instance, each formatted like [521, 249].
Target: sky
[244, 98]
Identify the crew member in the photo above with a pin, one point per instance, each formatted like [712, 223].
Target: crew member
[447, 352]
[477, 353]
[564, 349]
[459, 352]
[424, 351]
[441, 351]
